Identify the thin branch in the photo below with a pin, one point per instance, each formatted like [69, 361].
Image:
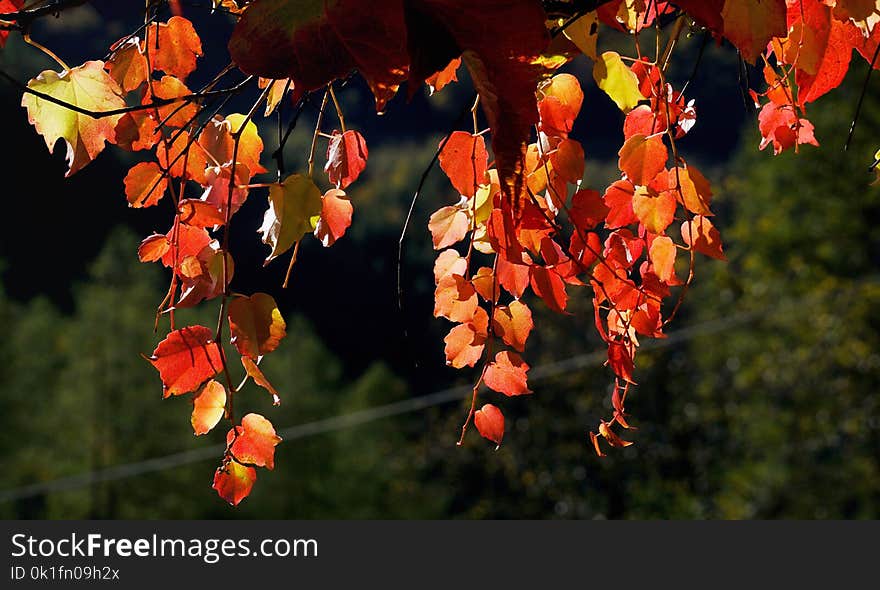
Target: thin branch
[852, 127]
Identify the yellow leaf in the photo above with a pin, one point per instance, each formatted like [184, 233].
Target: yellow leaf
[618, 81]
[292, 205]
[583, 33]
[88, 87]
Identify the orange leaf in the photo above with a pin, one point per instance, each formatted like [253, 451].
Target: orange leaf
[449, 262]
[484, 283]
[346, 158]
[513, 277]
[336, 211]
[259, 378]
[465, 342]
[209, 404]
[621, 360]
[256, 325]
[619, 200]
[178, 162]
[153, 248]
[145, 184]
[662, 254]
[513, 323]
[642, 158]
[185, 359]
[613, 439]
[448, 225]
[490, 423]
[176, 49]
[568, 160]
[127, 66]
[176, 114]
[198, 213]
[701, 235]
[455, 299]
[654, 210]
[438, 81]
[695, 189]
[233, 481]
[561, 100]
[588, 209]
[507, 374]
[465, 160]
[750, 24]
[254, 441]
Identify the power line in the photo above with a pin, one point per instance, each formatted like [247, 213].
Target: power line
[353, 419]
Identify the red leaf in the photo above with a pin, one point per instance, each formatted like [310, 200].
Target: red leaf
[256, 324]
[254, 441]
[507, 374]
[568, 160]
[513, 277]
[346, 158]
[588, 209]
[465, 160]
[549, 286]
[208, 407]
[438, 81]
[824, 57]
[613, 439]
[780, 126]
[750, 24]
[336, 212]
[619, 199]
[642, 158]
[560, 104]
[233, 481]
[701, 235]
[621, 361]
[490, 423]
[185, 359]
[153, 248]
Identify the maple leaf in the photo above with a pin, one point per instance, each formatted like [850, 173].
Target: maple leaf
[292, 205]
[145, 184]
[254, 441]
[256, 325]
[465, 160]
[490, 423]
[336, 212]
[448, 225]
[513, 324]
[233, 481]
[88, 87]
[185, 359]
[507, 374]
[346, 157]
[617, 80]
[173, 47]
[254, 372]
[209, 404]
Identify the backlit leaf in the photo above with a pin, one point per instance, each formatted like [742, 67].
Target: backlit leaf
[490, 423]
[209, 405]
[256, 324]
[292, 205]
[254, 441]
[507, 374]
[234, 482]
[185, 359]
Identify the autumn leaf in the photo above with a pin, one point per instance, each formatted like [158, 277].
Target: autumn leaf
[611, 437]
[507, 374]
[549, 286]
[145, 184]
[455, 299]
[256, 325]
[654, 210]
[254, 441]
[568, 160]
[617, 80]
[642, 158]
[185, 359]
[619, 199]
[621, 360]
[209, 405]
[750, 24]
[464, 159]
[513, 324]
[448, 225]
[254, 372]
[560, 104]
[583, 33]
[465, 342]
[173, 47]
[346, 158]
[588, 209]
[233, 481]
[336, 212]
[701, 235]
[292, 205]
[127, 65]
[87, 87]
[662, 254]
[449, 262]
[438, 81]
[490, 423]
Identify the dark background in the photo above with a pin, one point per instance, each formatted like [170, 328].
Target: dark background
[764, 406]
